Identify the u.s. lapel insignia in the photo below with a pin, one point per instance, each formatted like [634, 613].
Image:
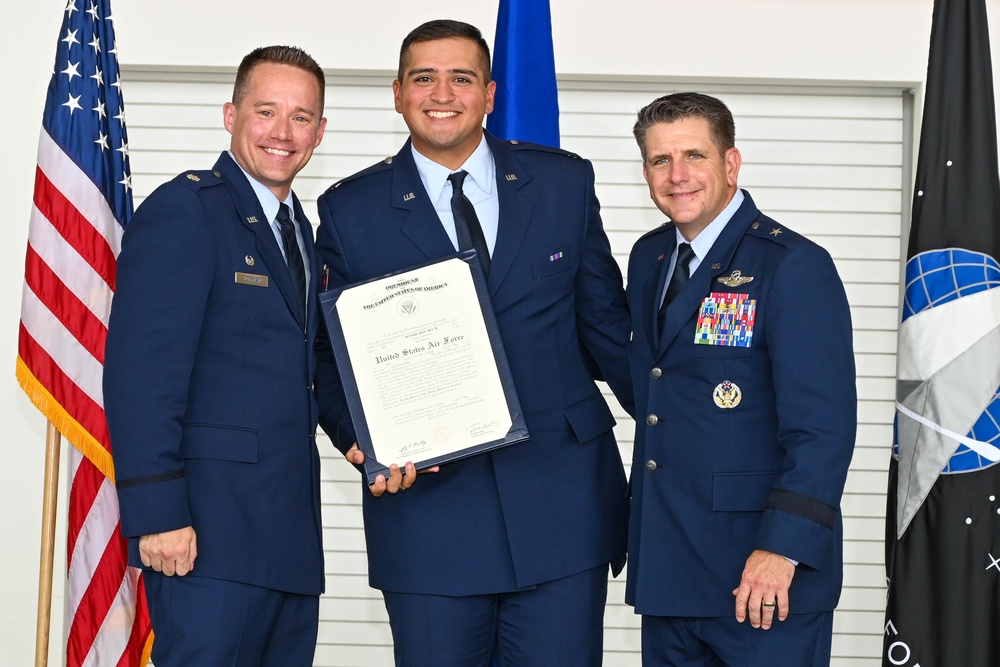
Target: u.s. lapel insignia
[716, 266]
[249, 260]
[735, 279]
[251, 219]
[727, 395]
[408, 196]
[774, 232]
[511, 177]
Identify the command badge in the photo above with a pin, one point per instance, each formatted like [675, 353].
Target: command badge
[727, 395]
[249, 260]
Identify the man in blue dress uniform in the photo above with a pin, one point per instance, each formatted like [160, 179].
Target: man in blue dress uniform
[207, 384]
[743, 370]
[510, 546]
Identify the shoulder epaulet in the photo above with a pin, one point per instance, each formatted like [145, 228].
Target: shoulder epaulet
[654, 231]
[768, 228]
[518, 145]
[200, 178]
[374, 169]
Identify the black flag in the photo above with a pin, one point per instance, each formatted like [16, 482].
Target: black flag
[943, 514]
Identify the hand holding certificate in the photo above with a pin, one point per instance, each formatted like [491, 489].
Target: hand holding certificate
[423, 367]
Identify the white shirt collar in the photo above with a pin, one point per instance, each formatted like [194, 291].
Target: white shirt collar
[482, 171]
[706, 239]
[268, 202]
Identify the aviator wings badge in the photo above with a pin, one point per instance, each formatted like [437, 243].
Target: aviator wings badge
[735, 279]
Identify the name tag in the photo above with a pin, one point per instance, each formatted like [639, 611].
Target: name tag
[726, 318]
[254, 279]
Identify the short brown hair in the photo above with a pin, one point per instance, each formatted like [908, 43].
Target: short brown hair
[677, 106]
[279, 55]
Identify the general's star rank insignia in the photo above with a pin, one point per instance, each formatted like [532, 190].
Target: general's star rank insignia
[774, 232]
[727, 395]
[735, 279]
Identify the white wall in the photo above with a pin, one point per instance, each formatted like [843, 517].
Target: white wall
[831, 40]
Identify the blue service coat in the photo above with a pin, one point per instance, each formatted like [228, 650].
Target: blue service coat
[711, 484]
[207, 384]
[535, 511]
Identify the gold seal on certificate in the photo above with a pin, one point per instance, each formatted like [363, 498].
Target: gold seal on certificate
[423, 366]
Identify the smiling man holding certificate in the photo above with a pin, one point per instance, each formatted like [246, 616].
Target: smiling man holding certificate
[506, 550]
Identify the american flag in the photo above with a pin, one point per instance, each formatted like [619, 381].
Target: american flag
[82, 202]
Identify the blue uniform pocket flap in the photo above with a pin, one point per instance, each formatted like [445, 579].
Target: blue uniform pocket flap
[590, 418]
[224, 443]
[741, 491]
[557, 263]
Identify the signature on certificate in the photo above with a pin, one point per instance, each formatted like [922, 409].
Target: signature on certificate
[413, 447]
[482, 428]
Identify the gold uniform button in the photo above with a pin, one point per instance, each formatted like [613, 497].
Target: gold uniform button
[651, 465]
[652, 420]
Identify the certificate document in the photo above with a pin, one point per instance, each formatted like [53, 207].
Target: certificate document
[423, 366]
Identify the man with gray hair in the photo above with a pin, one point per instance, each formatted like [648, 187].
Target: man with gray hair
[743, 370]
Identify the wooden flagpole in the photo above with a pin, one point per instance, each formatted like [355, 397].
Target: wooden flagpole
[51, 494]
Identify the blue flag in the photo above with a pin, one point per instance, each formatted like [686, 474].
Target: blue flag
[527, 103]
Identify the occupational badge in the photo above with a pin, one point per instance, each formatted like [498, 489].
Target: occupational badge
[249, 260]
[735, 279]
[726, 318]
[727, 395]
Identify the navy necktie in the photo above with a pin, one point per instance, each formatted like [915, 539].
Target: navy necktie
[467, 227]
[685, 253]
[296, 268]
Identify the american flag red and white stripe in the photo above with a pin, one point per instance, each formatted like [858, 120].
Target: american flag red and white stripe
[82, 202]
